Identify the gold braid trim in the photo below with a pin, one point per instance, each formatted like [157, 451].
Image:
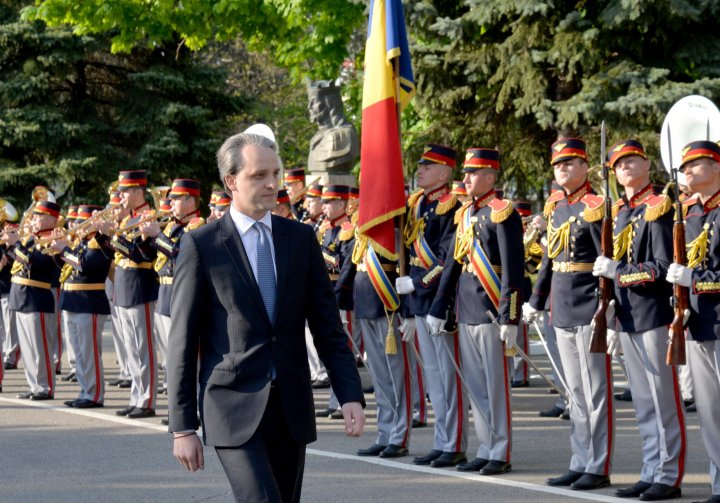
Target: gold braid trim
[361, 244]
[616, 208]
[93, 244]
[459, 213]
[346, 234]
[497, 217]
[593, 215]
[558, 238]
[413, 229]
[621, 242]
[697, 250]
[463, 242]
[65, 273]
[413, 198]
[548, 209]
[17, 267]
[655, 212]
[444, 207]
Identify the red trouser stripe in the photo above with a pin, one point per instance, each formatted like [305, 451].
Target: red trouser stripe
[680, 408]
[508, 410]
[151, 354]
[46, 350]
[459, 391]
[407, 382]
[611, 413]
[421, 384]
[96, 359]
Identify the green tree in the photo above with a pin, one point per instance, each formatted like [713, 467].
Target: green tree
[518, 74]
[310, 36]
[72, 114]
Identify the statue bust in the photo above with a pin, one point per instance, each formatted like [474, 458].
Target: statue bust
[334, 147]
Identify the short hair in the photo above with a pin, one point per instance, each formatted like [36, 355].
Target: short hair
[229, 156]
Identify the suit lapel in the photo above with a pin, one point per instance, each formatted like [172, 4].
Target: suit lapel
[280, 243]
[236, 251]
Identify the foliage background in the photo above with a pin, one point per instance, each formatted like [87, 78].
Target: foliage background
[511, 74]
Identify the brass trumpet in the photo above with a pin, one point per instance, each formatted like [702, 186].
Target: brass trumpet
[294, 199]
[150, 216]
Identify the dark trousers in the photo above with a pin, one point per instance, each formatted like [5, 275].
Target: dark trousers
[268, 467]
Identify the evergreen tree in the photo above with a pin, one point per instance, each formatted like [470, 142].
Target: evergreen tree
[73, 114]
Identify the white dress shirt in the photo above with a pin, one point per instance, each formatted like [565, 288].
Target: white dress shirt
[248, 235]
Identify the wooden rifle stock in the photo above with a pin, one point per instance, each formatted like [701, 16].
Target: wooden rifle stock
[676, 346]
[598, 340]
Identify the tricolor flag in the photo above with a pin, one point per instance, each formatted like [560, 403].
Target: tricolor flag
[382, 194]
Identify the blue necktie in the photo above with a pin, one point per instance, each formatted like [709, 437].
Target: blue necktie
[266, 271]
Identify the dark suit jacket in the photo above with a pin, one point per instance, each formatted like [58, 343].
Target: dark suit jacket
[218, 312]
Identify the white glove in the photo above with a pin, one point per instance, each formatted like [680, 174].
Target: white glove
[613, 343]
[679, 275]
[434, 324]
[530, 314]
[407, 329]
[508, 334]
[609, 315]
[605, 267]
[404, 285]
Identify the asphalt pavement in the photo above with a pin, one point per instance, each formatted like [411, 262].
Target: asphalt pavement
[54, 454]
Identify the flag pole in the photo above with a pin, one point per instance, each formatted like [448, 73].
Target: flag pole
[402, 265]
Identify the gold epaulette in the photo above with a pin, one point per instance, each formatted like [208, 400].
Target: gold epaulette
[657, 206]
[354, 217]
[168, 229]
[413, 198]
[556, 196]
[461, 211]
[93, 244]
[501, 210]
[347, 231]
[616, 207]
[446, 203]
[594, 207]
[195, 223]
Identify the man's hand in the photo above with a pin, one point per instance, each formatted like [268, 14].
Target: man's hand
[189, 451]
[508, 334]
[605, 267]
[613, 342]
[679, 275]
[354, 418]
[404, 285]
[434, 324]
[150, 229]
[530, 314]
[407, 328]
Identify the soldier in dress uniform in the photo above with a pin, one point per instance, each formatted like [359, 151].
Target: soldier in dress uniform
[85, 306]
[282, 205]
[574, 226]
[485, 274]
[642, 252]
[221, 204]
[337, 233]
[10, 346]
[428, 235]
[294, 181]
[184, 199]
[519, 371]
[314, 215]
[124, 379]
[377, 314]
[70, 220]
[136, 290]
[33, 301]
[701, 166]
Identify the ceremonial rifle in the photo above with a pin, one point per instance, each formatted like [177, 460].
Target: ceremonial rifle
[676, 344]
[598, 340]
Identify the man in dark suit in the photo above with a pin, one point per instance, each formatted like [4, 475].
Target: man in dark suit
[244, 286]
